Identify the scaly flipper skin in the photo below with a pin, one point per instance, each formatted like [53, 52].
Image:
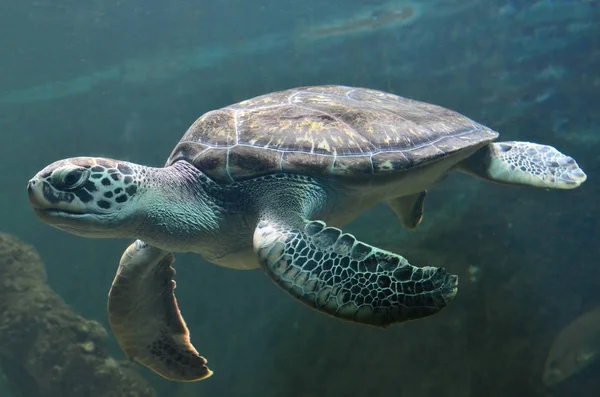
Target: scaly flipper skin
[145, 318]
[524, 163]
[338, 275]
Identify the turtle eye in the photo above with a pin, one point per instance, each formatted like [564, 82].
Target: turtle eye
[69, 179]
[72, 178]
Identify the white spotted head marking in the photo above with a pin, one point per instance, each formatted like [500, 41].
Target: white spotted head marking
[84, 195]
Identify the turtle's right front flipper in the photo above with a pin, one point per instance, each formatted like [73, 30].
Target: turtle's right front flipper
[145, 318]
[338, 275]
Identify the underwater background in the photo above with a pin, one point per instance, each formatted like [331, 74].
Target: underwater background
[125, 78]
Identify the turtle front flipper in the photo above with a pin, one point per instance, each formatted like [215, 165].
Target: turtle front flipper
[145, 318]
[334, 273]
[524, 163]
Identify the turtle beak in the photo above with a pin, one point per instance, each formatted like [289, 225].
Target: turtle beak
[33, 187]
[46, 200]
[37, 197]
[62, 210]
[39, 204]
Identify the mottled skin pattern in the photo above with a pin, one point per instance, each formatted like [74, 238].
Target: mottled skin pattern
[267, 183]
[107, 173]
[339, 275]
[525, 163]
[96, 186]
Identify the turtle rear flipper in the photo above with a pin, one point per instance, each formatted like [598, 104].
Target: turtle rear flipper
[145, 318]
[524, 163]
[409, 208]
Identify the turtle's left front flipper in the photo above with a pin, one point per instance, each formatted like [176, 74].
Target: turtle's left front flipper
[334, 273]
[145, 318]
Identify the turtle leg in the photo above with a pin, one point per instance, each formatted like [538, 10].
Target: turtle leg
[335, 273]
[409, 208]
[145, 318]
[524, 163]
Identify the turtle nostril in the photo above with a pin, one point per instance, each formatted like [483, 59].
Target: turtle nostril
[30, 185]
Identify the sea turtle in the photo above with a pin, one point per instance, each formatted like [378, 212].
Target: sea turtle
[252, 185]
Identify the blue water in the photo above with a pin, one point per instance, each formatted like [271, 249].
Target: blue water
[124, 79]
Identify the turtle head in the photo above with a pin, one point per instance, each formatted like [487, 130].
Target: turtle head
[86, 196]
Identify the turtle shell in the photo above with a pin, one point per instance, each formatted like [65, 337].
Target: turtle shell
[325, 131]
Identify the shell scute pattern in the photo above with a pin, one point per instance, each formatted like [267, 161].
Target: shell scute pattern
[322, 131]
